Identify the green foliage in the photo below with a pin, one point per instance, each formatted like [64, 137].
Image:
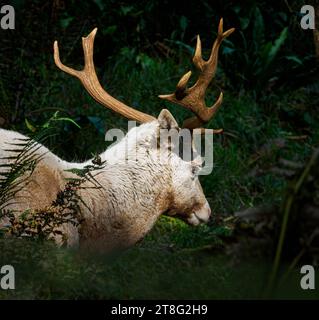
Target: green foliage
[21, 161]
[270, 111]
[264, 54]
[16, 170]
[143, 272]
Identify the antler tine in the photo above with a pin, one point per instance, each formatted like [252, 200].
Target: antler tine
[194, 98]
[89, 79]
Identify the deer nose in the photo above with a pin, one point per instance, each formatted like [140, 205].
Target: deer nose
[204, 213]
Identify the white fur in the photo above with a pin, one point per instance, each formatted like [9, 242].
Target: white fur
[135, 192]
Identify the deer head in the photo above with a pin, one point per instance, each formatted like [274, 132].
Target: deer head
[186, 198]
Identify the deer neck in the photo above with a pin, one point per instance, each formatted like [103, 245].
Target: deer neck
[131, 197]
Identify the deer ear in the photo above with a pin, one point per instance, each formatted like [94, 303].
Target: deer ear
[196, 165]
[166, 120]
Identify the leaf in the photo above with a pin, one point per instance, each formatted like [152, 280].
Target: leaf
[277, 45]
[183, 22]
[181, 44]
[100, 4]
[64, 23]
[55, 117]
[109, 30]
[236, 9]
[244, 22]
[69, 120]
[126, 9]
[264, 55]
[307, 117]
[268, 54]
[227, 50]
[295, 59]
[145, 61]
[258, 27]
[30, 126]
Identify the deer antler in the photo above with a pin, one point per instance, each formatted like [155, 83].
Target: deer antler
[194, 98]
[91, 83]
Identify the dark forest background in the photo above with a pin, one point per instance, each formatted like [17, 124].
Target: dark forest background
[268, 71]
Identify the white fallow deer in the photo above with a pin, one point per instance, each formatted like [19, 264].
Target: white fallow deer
[135, 193]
